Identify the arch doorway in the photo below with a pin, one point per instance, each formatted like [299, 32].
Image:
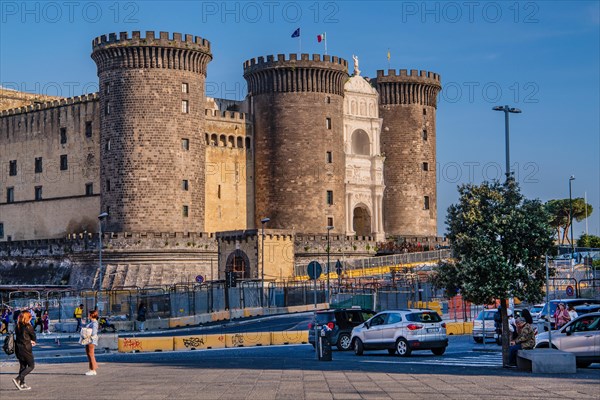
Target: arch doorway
[361, 221]
[239, 263]
[361, 143]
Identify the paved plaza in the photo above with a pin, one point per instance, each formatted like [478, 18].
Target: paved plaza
[286, 372]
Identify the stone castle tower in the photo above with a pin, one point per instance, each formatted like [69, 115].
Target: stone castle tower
[297, 109]
[152, 147]
[407, 105]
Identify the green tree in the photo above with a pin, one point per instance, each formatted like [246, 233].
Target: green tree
[589, 241]
[499, 240]
[559, 215]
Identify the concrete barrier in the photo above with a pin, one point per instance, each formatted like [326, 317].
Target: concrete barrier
[198, 342]
[289, 337]
[248, 339]
[220, 316]
[155, 324]
[108, 341]
[454, 328]
[181, 321]
[467, 328]
[236, 313]
[253, 312]
[134, 345]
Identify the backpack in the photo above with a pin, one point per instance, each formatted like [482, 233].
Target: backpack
[9, 344]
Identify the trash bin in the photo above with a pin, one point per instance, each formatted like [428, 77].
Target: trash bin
[323, 347]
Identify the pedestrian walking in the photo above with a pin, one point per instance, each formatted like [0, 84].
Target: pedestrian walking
[45, 322]
[561, 316]
[141, 317]
[38, 319]
[24, 341]
[6, 314]
[525, 340]
[77, 314]
[89, 338]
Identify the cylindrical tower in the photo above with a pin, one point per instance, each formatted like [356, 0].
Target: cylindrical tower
[407, 105]
[297, 106]
[152, 119]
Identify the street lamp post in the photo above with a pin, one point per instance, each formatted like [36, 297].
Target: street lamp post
[507, 110]
[571, 179]
[329, 228]
[262, 273]
[101, 217]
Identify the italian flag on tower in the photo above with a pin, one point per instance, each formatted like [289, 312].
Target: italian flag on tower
[322, 38]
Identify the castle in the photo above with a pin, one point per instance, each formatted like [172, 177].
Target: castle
[310, 147]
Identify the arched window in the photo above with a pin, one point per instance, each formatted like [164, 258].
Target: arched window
[240, 142]
[248, 144]
[238, 263]
[206, 139]
[360, 143]
[231, 141]
[213, 139]
[223, 141]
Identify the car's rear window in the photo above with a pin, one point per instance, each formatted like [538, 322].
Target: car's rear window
[428, 316]
[323, 318]
[489, 315]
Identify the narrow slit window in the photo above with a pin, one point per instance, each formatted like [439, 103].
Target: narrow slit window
[426, 203]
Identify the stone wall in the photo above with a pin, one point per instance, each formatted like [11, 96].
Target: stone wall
[68, 190]
[229, 172]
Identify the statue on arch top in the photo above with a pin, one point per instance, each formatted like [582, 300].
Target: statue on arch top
[356, 70]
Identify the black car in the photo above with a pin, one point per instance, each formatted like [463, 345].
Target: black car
[341, 321]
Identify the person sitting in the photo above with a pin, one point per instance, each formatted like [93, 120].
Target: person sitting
[525, 341]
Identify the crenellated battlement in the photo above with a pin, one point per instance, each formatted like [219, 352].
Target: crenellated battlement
[407, 75]
[164, 40]
[316, 73]
[179, 52]
[408, 87]
[280, 60]
[50, 104]
[230, 116]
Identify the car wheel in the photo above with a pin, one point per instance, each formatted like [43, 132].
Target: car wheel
[391, 352]
[438, 351]
[402, 348]
[358, 347]
[583, 364]
[344, 343]
[478, 340]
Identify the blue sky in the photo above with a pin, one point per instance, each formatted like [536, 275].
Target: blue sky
[542, 57]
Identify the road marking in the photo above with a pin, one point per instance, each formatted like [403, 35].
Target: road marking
[488, 360]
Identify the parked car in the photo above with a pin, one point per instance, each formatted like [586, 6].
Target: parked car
[401, 331]
[580, 306]
[341, 322]
[536, 311]
[580, 337]
[484, 317]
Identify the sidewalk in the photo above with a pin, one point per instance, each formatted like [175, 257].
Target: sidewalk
[182, 381]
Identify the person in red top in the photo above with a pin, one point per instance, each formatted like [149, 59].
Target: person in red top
[561, 316]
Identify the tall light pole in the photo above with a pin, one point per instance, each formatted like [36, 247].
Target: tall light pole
[571, 179]
[507, 110]
[101, 217]
[329, 228]
[262, 273]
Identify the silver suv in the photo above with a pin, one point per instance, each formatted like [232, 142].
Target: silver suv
[580, 337]
[401, 331]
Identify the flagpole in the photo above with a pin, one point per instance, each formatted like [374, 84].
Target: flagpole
[325, 43]
[300, 44]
